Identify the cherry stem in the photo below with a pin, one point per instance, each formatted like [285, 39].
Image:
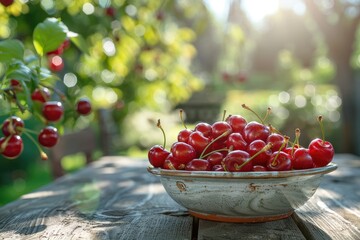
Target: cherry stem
[265, 148]
[247, 108]
[320, 118]
[4, 144]
[286, 140]
[267, 114]
[296, 142]
[218, 150]
[42, 153]
[181, 118]
[297, 136]
[214, 140]
[224, 114]
[11, 93]
[57, 91]
[274, 130]
[163, 132]
[21, 129]
[171, 166]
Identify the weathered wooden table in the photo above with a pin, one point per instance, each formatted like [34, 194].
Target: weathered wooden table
[116, 198]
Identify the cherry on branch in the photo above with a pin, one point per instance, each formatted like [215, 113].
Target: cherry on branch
[83, 106]
[48, 136]
[53, 111]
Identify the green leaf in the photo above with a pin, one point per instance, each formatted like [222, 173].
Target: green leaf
[48, 35]
[19, 71]
[46, 75]
[11, 49]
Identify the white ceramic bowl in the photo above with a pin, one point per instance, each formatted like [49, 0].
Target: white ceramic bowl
[241, 196]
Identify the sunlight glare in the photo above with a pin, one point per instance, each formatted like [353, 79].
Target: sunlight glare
[257, 10]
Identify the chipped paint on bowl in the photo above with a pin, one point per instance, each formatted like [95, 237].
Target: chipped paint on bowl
[241, 196]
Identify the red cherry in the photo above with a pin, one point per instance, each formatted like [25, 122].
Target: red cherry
[215, 158]
[15, 84]
[198, 141]
[218, 168]
[83, 106]
[12, 126]
[219, 146]
[290, 150]
[48, 136]
[204, 128]
[41, 95]
[6, 3]
[110, 11]
[198, 165]
[56, 63]
[11, 146]
[183, 152]
[172, 163]
[259, 168]
[279, 161]
[183, 135]
[236, 161]
[254, 130]
[302, 159]
[157, 155]
[322, 152]
[276, 140]
[237, 123]
[66, 44]
[235, 141]
[221, 128]
[52, 111]
[254, 148]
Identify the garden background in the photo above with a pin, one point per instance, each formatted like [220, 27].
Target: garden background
[144, 60]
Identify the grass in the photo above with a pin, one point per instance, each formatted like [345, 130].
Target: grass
[37, 176]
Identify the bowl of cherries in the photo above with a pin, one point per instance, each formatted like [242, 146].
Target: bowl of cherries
[238, 171]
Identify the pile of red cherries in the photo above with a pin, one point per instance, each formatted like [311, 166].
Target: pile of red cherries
[236, 145]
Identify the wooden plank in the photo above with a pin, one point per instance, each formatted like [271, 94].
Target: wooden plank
[334, 211]
[105, 201]
[280, 229]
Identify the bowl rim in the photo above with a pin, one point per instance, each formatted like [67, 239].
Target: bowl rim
[242, 175]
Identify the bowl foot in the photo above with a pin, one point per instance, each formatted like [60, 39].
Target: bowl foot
[239, 219]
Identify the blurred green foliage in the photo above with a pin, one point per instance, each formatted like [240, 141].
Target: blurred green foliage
[129, 55]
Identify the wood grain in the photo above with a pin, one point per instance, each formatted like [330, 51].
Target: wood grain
[281, 229]
[334, 211]
[115, 198]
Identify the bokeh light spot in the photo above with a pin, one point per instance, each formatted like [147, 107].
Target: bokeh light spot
[47, 4]
[284, 97]
[88, 8]
[109, 47]
[334, 116]
[150, 74]
[107, 76]
[70, 79]
[300, 101]
[131, 10]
